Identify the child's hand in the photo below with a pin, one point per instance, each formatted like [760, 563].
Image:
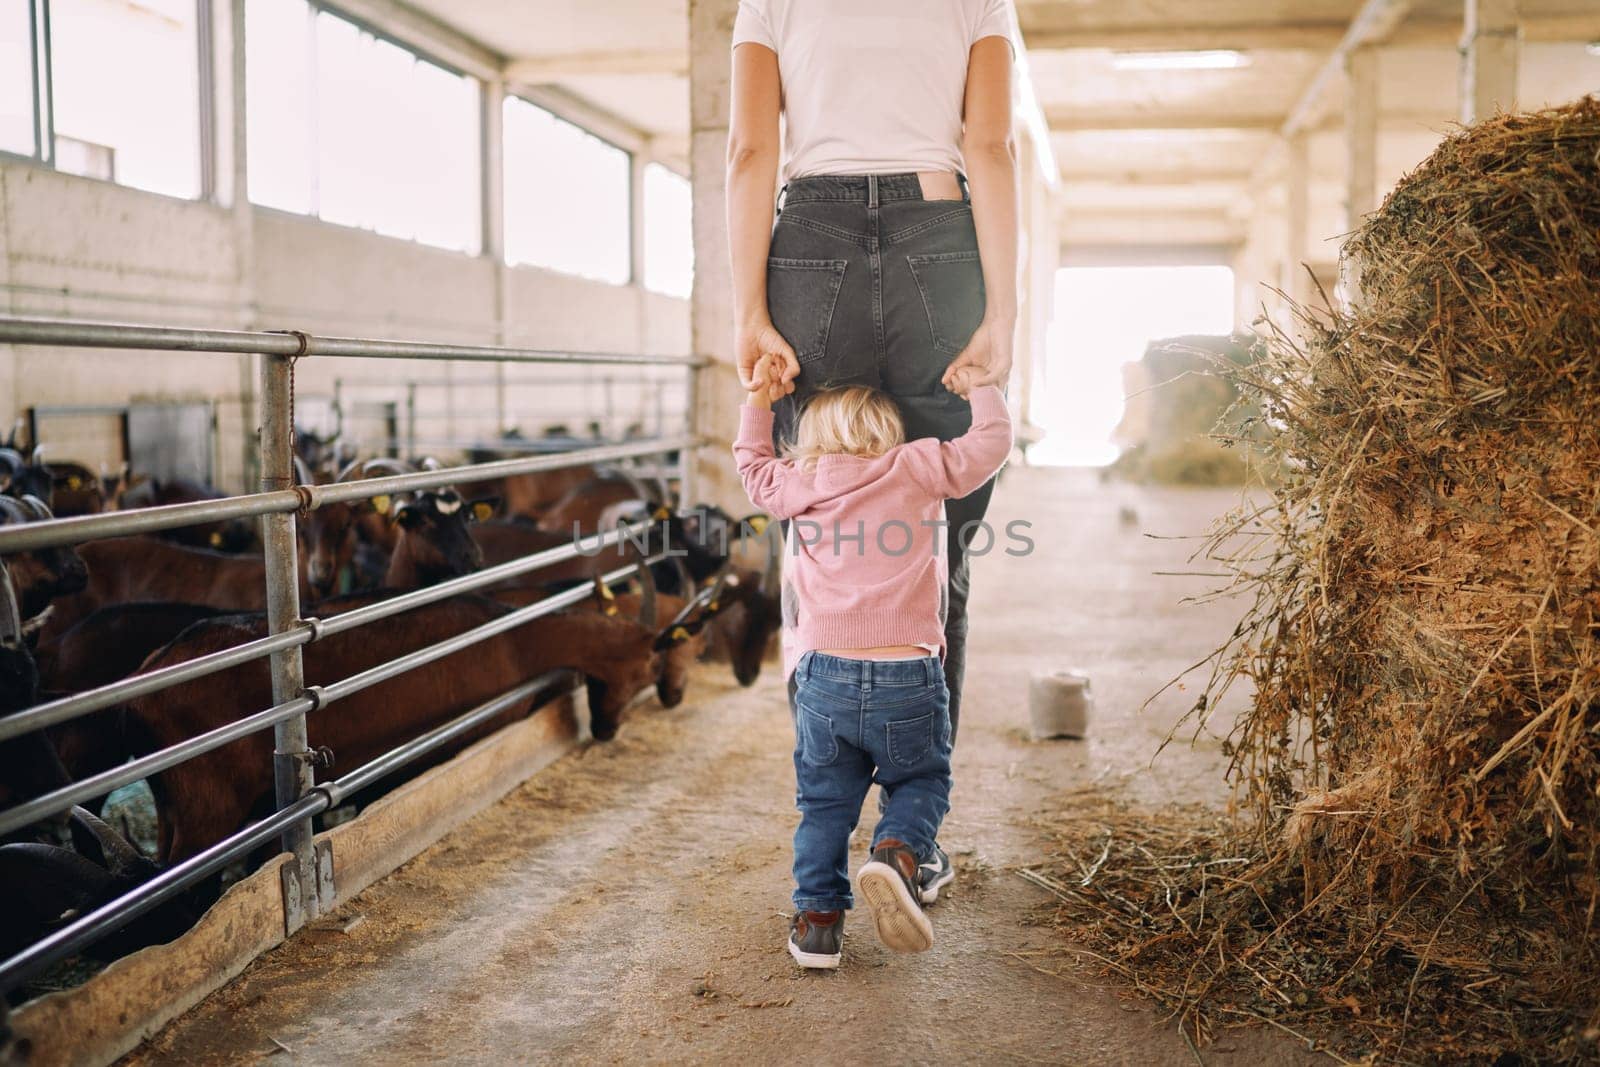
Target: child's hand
[765, 386]
[961, 381]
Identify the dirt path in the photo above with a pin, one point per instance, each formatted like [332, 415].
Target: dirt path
[629, 905]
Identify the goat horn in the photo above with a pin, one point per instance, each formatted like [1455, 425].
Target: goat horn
[35, 508]
[384, 464]
[117, 854]
[633, 483]
[302, 475]
[10, 613]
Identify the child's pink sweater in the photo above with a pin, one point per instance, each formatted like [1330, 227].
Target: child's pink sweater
[865, 559]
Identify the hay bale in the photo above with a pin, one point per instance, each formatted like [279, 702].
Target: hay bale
[1421, 878]
[1425, 641]
[1182, 412]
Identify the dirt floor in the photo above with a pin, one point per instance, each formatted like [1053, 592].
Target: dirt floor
[630, 903]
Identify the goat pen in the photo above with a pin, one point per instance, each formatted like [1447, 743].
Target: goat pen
[306, 879]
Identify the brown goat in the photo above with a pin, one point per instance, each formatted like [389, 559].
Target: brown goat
[585, 507]
[502, 542]
[44, 575]
[529, 495]
[107, 646]
[678, 655]
[207, 798]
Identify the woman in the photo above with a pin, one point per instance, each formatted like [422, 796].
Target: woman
[893, 262]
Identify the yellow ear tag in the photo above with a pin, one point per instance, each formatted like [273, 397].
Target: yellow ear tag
[381, 504]
[712, 606]
[216, 539]
[758, 524]
[661, 513]
[611, 609]
[482, 511]
[74, 483]
[679, 634]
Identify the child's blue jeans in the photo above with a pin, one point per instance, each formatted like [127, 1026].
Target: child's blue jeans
[858, 722]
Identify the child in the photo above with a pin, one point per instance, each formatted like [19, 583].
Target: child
[863, 638]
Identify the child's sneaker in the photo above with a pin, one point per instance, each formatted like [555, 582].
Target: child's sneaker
[889, 883]
[815, 938]
[934, 874]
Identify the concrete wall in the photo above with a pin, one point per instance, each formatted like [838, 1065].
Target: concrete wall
[82, 248]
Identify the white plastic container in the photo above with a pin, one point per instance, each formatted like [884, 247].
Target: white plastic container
[1059, 704]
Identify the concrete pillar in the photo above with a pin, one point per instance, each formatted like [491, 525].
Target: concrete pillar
[232, 169]
[1490, 49]
[637, 161]
[1361, 155]
[716, 398]
[1294, 281]
[492, 188]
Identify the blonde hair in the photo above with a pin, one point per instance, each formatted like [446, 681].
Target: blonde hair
[853, 420]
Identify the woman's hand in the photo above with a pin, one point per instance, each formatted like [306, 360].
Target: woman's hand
[985, 361]
[751, 342]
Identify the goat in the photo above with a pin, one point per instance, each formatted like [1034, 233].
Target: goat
[107, 646]
[583, 508]
[29, 766]
[24, 476]
[224, 535]
[75, 490]
[206, 798]
[42, 886]
[43, 575]
[439, 546]
[753, 612]
[529, 495]
[434, 544]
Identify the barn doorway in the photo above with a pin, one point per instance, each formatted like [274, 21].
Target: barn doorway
[1104, 317]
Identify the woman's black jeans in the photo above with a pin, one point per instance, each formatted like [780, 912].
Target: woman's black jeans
[873, 285]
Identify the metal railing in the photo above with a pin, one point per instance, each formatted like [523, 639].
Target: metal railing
[298, 797]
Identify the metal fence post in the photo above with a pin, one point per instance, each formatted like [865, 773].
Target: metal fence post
[292, 768]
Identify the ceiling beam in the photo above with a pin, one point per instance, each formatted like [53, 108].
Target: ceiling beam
[1373, 24]
[1146, 254]
[1077, 120]
[536, 70]
[1156, 178]
[1312, 36]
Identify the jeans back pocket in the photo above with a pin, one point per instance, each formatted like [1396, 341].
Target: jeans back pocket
[801, 294]
[951, 284]
[909, 741]
[814, 731]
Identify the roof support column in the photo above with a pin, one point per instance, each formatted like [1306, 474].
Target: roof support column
[1490, 50]
[1297, 181]
[715, 395]
[1361, 155]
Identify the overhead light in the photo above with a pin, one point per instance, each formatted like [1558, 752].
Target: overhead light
[1217, 59]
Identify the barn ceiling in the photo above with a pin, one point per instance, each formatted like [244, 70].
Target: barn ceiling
[1135, 145]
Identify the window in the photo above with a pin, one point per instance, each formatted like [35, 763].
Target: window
[118, 95]
[668, 232]
[567, 196]
[18, 80]
[354, 129]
